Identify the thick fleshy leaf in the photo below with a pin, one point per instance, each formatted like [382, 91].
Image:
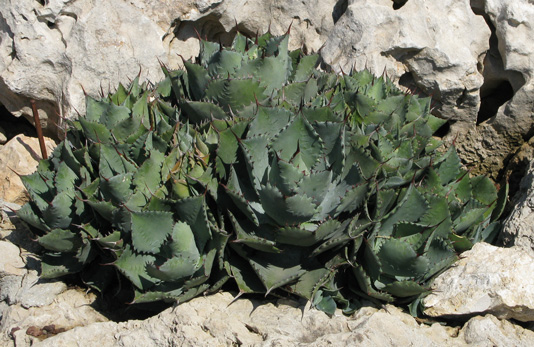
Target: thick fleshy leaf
[60, 240]
[150, 229]
[133, 266]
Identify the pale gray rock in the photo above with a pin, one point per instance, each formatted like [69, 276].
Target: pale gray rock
[68, 310]
[506, 113]
[213, 321]
[518, 227]
[488, 331]
[19, 284]
[487, 279]
[513, 25]
[436, 47]
[11, 262]
[37, 293]
[19, 156]
[53, 52]
[3, 138]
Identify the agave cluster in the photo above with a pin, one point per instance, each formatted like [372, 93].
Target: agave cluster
[253, 165]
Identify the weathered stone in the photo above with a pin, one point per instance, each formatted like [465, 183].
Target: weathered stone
[51, 52]
[3, 138]
[488, 331]
[70, 309]
[19, 156]
[487, 279]
[213, 321]
[507, 108]
[518, 227]
[36, 293]
[436, 47]
[513, 25]
[10, 262]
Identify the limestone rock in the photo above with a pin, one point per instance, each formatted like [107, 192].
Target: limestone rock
[518, 228]
[10, 262]
[19, 156]
[3, 138]
[507, 107]
[54, 50]
[488, 331]
[70, 309]
[211, 321]
[487, 279]
[424, 44]
[513, 25]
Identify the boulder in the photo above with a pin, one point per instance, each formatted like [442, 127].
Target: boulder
[55, 51]
[19, 156]
[489, 331]
[11, 262]
[506, 113]
[216, 321]
[424, 44]
[518, 227]
[22, 326]
[3, 137]
[487, 279]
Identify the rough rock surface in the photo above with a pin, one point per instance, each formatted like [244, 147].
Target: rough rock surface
[507, 108]
[54, 50]
[487, 279]
[490, 331]
[19, 157]
[518, 228]
[472, 60]
[418, 43]
[211, 321]
[28, 303]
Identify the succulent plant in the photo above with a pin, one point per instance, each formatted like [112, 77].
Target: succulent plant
[124, 192]
[254, 165]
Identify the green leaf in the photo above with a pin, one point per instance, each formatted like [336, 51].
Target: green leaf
[198, 80]
[199, 112]
[31, 215]
[175, 269]
[59, 213]
[324, 303]
[95, 132]
[449, 169]
[224, 63]
[276, 272]
[399, 259]
[150, 229]
[133, 266]
[192, 211]
[483, 190]
[60, 240]
[55, 265]
[404, 289]
[118, 188]
[460, 243]
[234, 95]
[40, 186]
[501, 202]
[299, 137]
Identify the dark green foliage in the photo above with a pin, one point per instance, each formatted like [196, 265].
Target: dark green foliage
[254, 165]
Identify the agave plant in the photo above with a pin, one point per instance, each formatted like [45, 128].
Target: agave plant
[121, 190]
[327, 175]
[254, 165]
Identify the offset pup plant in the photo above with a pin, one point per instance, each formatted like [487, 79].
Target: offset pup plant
[253, 166]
